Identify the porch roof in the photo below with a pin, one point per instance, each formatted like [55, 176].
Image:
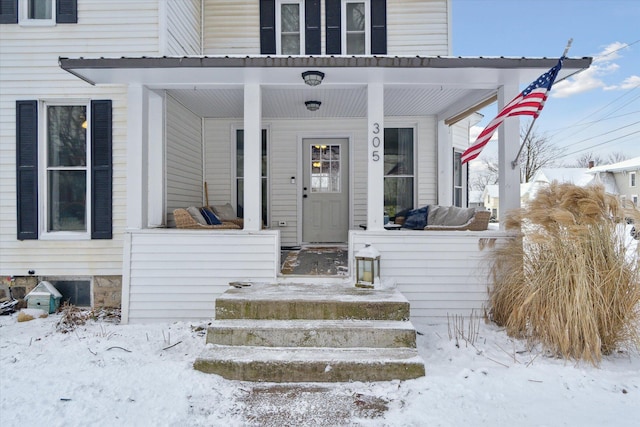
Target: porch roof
[212, 86]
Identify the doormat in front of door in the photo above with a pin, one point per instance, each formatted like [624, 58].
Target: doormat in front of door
[316, 261]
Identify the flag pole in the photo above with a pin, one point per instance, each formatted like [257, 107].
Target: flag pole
[514, 163]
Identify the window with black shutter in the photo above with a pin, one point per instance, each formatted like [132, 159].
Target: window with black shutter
[38, 12]
[66, 176]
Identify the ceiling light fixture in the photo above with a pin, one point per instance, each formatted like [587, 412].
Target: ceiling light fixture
[313, 105]
[313, 78]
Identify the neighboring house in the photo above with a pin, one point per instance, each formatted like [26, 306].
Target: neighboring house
[491, 200]
[115, 113]
[545, 176]
[475, 199]
[623, 176]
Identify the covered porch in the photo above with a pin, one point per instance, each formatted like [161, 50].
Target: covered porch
[186, 116]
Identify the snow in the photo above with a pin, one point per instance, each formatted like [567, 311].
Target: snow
[106, 374]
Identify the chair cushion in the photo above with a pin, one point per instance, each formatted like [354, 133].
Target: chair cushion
[224, 212]
[416, 219]
[196, 215]
[449, 215]
[209, 216]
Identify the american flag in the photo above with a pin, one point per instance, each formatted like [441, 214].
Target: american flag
[528, 103]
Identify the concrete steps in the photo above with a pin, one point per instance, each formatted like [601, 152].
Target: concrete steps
[292, 332]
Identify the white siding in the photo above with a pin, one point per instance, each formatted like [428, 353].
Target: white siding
[183, 27]
[231, 27]
[184, 158]
[440, 272]
[177, 274]
[414, 27]
[30, 71]
[418, 27]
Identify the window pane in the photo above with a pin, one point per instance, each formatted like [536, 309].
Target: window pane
[67, 200]
[40, 9]
[355, 17]
[398, 195]
[67, 135]
[290, 18]
[398, 151]
[325, 169]
[457, 169]
[239, 153]
[290, 44]
[355, 44]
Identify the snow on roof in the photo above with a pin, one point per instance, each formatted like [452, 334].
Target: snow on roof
[45, 287]
[577, 176]
[493, 190]
[475, 196]
[630, 164]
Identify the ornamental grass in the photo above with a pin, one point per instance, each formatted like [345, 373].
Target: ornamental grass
[570, 281]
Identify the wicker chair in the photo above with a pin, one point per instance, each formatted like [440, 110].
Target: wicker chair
[185, 220]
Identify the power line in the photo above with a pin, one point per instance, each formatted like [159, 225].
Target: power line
[602, 134]
[598, 145]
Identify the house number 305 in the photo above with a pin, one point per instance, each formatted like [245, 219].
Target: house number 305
[375, 142]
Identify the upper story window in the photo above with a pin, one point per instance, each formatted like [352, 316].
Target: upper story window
[632, 179]
[355, 25]
[289, 20]
[38, 12]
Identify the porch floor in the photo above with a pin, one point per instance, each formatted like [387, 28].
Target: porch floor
[314, 260]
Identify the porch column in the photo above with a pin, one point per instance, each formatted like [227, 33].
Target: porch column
[252, 156]
[375, 156]
[156, 180]
[508, 146]
[445, 165]
[137, 156]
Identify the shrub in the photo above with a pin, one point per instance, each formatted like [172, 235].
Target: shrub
[569, 281]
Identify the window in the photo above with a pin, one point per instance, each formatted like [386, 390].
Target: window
[458, 180]
[66, 177]
[325, 169]
[632, 179]
[634, 199]
[64, 170]
[398, 170]
[75, 292]
[240, 175]
[289, 17]
[355, 19]
[38, 12]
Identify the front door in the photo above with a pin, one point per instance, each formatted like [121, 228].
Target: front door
[325, 195]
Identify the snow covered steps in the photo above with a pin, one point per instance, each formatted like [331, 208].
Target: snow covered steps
[311, 333]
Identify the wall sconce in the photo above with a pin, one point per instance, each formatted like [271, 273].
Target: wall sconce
[367, 267]
[313, 78]
[313, 105]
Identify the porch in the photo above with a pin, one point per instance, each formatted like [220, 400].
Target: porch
[178, 274]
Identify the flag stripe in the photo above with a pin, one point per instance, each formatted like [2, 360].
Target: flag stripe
[528, 103]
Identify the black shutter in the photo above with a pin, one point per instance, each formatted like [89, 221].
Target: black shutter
[312, 27]
[378, 27]
[66, 11]
[267, 27]
[101, 170]
[333, 21]
[27, 169]
[8, 11]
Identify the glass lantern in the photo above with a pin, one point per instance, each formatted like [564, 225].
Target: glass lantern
[367, 267]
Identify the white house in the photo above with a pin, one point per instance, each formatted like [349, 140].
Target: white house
[622, 176]
[115, 113]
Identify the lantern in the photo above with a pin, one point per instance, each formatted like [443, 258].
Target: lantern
[367, 267]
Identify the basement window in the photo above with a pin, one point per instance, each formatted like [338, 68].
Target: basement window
[75, 292]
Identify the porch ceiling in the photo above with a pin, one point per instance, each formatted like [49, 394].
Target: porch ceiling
[213, 86]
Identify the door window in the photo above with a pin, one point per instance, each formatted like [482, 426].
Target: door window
[325, 169]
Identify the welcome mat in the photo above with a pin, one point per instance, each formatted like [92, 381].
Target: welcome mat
[316, 261]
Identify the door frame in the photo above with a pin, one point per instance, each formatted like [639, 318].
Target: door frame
[300, 177]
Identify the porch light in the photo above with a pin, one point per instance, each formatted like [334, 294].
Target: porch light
[313, 105]
[313, 78]
[367, 267]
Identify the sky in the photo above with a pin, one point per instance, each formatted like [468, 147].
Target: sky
[596, 111]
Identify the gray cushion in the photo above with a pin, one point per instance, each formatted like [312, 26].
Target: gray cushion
[195, 214]
[449, 215]
[224, 212]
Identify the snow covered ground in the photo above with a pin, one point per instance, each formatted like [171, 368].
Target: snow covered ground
[106, 374]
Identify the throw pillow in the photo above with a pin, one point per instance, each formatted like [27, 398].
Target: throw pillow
[195, 214]
[209, 216]
[224, 212]
[450, 216]
[416, 219]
